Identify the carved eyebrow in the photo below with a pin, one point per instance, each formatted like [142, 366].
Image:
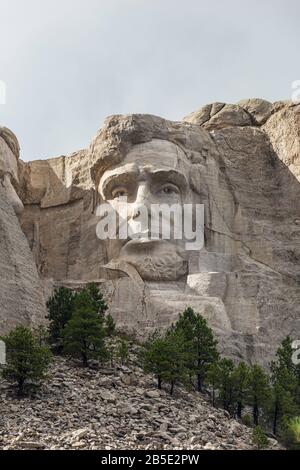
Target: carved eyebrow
[173, 176]
[118, 179]
[129, 177]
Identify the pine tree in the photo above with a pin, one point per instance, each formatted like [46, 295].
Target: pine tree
[213, 378]
[27, 362]
[60, 307]
[175, 370]
[123, 351]
[259, 438]
[97, 299]
[240, 384]
[258, 391]
[165, 357]
[200, 344]
[284, 384]
[290, 433]
[110, 325]
[226, 384]
[84, 333]
[154, 357]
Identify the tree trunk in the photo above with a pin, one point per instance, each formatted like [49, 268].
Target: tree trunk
[21, 383]
[275, 419]
[172, 387]
[159, 383]
[255, 414]
[213, 397]
[239, 410]
[199, 383]
[84, 359]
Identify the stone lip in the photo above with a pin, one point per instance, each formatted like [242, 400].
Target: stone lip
[114, 409]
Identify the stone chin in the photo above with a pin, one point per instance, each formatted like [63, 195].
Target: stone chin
[155, 260]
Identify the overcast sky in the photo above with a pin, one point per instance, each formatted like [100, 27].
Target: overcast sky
[68, 64]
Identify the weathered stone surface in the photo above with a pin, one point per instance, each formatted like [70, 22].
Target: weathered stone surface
[242, 162]
[260, 110]
[220, 115]
[21, 292]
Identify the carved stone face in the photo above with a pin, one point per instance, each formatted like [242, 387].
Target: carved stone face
[9, 175]
[156, 172]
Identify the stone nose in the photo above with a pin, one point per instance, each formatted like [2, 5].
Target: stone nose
[141, 208]
[142, 201]
[143, 194]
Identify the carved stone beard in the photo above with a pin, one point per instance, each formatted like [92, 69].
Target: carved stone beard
[161, 262]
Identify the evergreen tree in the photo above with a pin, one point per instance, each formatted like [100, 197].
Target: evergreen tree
[27, 362]
[174, 351]
[84, 333]
[41, 333]
[154, 357]
[240, 384]
[165, 357]
[226, 384]
[213, 378]
[290, 433]
[200, 344]
[259, 438]
[60, 307]
[284, 384]
[97, 299]
[123, 351]
[258, 391]
[110, 325]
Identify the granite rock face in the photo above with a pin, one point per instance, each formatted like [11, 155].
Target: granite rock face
[242, 162]
[21, 290]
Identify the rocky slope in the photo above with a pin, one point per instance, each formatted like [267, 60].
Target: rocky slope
[113, 409]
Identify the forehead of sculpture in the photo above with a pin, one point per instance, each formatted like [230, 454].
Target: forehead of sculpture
[157, 153]
[151, 156]
[8, 161]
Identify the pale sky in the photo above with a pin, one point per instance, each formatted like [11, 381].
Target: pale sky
[67, 64]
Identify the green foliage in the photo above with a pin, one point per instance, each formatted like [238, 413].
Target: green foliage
[165, 357]
[174, 352]
[224, 380]
[232, 383]
[259, 439]
[110, 326]
[84, 333]
[97, 298]
[258, 391]
[247, 420]
[240, 379]
[60, 307]
[153, 357]
[41, 334]
[226, 384]
[27, 362]
[290, 433]
[123, 351]
[199, 344]
[213, 378]
[284, 381]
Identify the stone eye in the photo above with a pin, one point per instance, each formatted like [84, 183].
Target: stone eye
[169, 189]
[119, 192]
